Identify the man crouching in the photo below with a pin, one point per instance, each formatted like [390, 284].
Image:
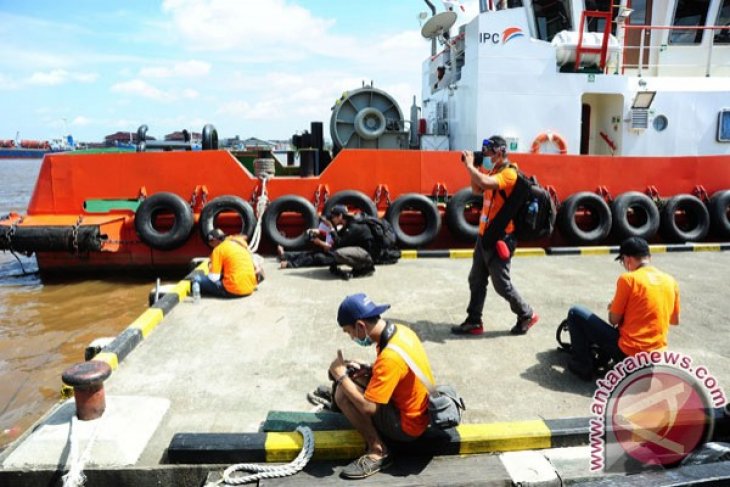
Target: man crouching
[394, 403]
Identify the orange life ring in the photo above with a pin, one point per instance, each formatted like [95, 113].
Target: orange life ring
[543, 137]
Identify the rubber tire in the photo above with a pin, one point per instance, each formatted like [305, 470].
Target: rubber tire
[295, 204]
[458, 225]
[220, 204]
[351, 198]
[690, 204]
[620, 209]
[429, 211]
[718, 208]
[566, 218]
[180, 230]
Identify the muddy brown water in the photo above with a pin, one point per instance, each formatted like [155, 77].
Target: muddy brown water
[45, 325]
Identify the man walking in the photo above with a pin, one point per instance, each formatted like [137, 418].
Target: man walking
[495, 246]
[394, 403]
[646, 302]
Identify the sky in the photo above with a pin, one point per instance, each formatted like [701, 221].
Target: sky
[263, 68]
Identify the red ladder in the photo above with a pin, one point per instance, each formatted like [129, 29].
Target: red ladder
[580, 49]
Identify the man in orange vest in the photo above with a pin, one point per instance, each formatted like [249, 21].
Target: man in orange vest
[232, 272]
[646, 302]
[394, 403]
[492, 258]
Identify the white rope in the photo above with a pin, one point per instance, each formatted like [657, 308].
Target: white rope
[261, 205]
[273, 471]
[75, 476]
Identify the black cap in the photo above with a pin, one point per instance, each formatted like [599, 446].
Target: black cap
[216, 234]
[338, 210]
[633, 247]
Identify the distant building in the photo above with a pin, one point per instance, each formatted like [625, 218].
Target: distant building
[120, 138]
[179, 136]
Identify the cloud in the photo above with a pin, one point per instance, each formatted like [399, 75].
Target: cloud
[7, 83]
[81, 121]
[60, 76]
[185, 69]
[140, 88]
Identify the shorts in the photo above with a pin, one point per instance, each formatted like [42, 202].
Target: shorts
[387, 422]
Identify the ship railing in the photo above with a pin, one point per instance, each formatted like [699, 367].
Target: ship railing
[691, 66]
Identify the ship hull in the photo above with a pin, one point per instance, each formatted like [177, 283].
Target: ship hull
[67, 184]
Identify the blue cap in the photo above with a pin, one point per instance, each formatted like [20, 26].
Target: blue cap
[338, 210]
[358, 307]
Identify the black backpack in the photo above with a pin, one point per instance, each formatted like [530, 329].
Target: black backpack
[530, 206]
[535, 218]
[384, 248]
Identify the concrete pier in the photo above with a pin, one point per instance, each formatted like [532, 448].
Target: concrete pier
[222, 365]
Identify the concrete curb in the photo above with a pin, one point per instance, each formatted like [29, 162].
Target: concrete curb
[139, 329]
[347, 444]
[541, 252]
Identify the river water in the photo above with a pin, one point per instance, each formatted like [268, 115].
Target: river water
[46, 325]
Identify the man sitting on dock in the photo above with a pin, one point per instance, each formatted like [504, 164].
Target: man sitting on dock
[232, 272]
[394, 402]
[646, 302]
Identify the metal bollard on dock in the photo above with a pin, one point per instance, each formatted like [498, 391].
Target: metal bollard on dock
[87, 380]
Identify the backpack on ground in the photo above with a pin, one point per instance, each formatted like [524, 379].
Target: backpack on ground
[384, 248]
[531, 208]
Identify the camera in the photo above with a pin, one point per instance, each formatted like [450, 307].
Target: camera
[478, 158]
[313, 233]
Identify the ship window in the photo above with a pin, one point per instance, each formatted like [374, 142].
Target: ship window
[660, 123]
[723, 126]
[691, 13]
[723, 19]
[505, 4]
[551, 17]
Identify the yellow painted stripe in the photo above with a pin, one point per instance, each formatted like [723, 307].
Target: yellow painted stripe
[706, 248]
[461, 253]
[657, 249]
[108, 357]
[182, 289]
[147, 321]
[530, 252]
[595, 250]
[203, 266]
[523, 435]
[408, 254]
[328, 445]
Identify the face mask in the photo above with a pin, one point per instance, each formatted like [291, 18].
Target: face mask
[363, 342]
[487, 163]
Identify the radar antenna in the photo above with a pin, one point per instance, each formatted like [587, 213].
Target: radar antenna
[439, 25]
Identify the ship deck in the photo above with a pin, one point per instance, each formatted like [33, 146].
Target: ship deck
[223, 365]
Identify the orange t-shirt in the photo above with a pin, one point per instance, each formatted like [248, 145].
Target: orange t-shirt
[392, 380]
[506, 176]
[648, 299]
[233, 261]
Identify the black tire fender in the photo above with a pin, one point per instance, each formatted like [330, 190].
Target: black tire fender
[218, 205]
[599, 210]
[351, 198]
[420, 203]
[719, 208]
[697, 216]
[455, 219]
[639, 204]
[164, 202]
[294, 204]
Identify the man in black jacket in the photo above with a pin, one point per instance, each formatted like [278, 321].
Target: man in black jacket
[352, 244]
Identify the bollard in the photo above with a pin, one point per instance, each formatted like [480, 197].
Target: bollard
[87, 379]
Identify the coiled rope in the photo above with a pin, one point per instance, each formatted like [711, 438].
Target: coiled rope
[261, 204]
[272, 471]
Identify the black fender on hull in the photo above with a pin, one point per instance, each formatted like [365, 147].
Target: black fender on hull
[226, 203]
[177, 235]
[51, 239]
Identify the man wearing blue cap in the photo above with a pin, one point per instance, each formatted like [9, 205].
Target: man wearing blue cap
[492, 255]
[394, 402]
